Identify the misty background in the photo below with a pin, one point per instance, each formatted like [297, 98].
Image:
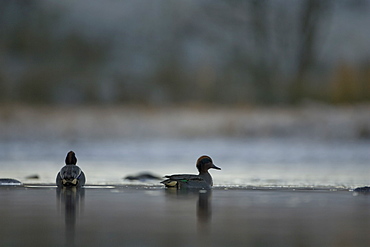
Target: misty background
[165, 52]
[137, 69]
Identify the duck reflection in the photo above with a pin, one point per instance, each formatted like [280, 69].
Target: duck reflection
[70, 201]
[203, 204]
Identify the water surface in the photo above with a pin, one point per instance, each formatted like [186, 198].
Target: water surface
[153, 216]
[244, 162]
[270, 192]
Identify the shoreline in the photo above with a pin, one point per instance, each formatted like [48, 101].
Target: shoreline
[161, 187]
[321, 122]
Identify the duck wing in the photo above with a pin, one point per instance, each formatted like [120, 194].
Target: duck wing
[174, 180]
[184, 177]
[70, 172]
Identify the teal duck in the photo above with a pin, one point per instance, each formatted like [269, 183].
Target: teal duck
[191, 181]
[70, 175]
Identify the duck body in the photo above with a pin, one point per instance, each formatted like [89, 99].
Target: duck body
[70, 175]
[187, 181]
[191, 181]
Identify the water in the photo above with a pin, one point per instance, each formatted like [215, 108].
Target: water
[259, 162]
[270, 192]
[154, 216]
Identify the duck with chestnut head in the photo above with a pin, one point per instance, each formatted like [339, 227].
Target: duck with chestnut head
[70, 175]
[191, 181]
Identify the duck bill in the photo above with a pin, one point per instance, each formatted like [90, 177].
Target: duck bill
[216, 167]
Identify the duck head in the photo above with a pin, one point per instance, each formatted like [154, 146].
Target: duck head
[71, 158]
[204, 163]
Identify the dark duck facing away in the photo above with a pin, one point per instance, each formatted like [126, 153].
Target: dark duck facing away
[191, 181]
[70, 175]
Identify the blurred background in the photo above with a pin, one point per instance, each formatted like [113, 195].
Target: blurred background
[278, 84]
[170, 52]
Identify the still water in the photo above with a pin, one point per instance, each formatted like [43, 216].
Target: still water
[244, 162]
[153, 216]
[270, 192]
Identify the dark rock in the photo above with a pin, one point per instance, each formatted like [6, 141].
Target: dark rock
[34, 176]
[143, 177]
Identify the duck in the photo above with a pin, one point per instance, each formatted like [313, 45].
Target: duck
[70, 175]
[9, 182]
[191, 181]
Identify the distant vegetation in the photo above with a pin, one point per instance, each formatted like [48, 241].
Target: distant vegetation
[170, 52]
